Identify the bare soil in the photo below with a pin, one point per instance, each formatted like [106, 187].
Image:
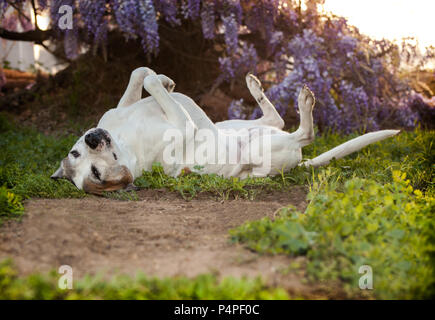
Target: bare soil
[160, 235]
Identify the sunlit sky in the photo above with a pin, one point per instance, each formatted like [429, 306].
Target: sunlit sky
[390, 19]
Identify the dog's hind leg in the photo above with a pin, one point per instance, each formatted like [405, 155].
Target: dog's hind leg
[133, 93]
[304, 135]
[270, 116]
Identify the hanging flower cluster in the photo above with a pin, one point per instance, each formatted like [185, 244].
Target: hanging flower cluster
[355, 79]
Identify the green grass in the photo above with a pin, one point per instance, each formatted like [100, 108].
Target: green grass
[191, 185]
[409, 152]
[205, 286]
[28, 158]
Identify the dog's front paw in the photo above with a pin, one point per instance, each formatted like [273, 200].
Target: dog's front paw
[141, 73]
[167, 82]
[306, 99]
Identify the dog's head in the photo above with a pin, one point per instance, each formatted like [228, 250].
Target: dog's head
[93, 165]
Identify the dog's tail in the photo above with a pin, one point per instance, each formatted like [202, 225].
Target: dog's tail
[349, 147]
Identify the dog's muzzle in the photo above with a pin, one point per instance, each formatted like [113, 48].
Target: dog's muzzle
[94, 138]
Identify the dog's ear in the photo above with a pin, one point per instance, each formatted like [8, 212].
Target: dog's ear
[119, 178]
[59, 174]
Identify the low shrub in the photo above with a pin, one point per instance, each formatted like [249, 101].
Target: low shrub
[388, 227]
[208, 286]
[10, 204]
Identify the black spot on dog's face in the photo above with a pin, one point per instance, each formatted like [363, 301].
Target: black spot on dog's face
[95, 137]
[93, 140]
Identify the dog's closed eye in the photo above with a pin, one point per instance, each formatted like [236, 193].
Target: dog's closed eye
[95, 172]
[75, 153]
[114, 156]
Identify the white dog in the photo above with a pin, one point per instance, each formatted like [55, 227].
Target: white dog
[140, 132]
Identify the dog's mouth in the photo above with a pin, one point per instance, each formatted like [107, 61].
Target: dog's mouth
[97, 137]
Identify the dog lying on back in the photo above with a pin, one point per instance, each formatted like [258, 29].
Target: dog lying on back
[170, 128]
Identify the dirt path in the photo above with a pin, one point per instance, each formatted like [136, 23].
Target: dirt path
[160, 235]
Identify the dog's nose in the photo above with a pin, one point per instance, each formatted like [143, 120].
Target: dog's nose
[58, 174]
[93, 139]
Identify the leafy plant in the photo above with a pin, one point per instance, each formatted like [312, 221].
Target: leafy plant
[207, 286]
[388, 227]
[10, 204]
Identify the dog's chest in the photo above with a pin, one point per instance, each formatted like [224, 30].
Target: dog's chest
[138, 129]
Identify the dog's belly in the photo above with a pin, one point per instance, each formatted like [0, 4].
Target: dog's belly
[138, 113]
[140, 128]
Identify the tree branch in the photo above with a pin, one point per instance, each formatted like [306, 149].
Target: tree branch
[37, 36]
[35, 14]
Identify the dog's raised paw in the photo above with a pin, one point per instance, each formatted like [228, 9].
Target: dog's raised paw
[142, 72]
[306, 99]
[253, 82]
[167, 82]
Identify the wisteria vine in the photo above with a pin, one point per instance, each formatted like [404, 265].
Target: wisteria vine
[355, 78]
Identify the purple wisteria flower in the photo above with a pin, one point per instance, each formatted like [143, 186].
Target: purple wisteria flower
[231, 32]
[169, 10]
[236, 110]
[355, 79]
[190, 8]
[244, 61]
[92, 13]
[208, 19]
[124, 12]
[149, 27]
